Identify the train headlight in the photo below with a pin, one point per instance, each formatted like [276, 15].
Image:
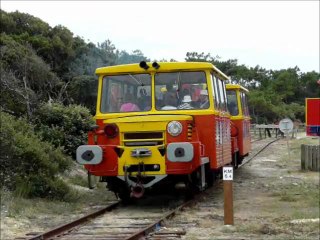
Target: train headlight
[174, 128]
[111, 130]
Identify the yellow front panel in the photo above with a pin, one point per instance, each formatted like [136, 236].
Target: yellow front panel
[142, 127]
[155, 158]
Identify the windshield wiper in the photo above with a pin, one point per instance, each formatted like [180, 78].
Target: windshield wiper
[139, 82]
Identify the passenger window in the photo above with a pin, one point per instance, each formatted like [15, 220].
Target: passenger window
[214, 92]
[126, 93]
[181, 90]
[222, 96]
[232, 102]
[244, 105]
[217, 92]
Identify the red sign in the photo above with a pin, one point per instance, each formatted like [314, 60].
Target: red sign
[313, 116]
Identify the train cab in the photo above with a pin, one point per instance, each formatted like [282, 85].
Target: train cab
[240, 122]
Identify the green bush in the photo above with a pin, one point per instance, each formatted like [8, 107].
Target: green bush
[29, 165]
[63, 126]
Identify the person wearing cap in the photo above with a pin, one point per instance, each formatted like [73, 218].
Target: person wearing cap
[170, 101]
[204, 99]
[186, 103]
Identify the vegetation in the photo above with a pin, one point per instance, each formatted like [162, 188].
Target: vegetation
[63, 126]
[29, 166]
[273, 94]
[48, 92]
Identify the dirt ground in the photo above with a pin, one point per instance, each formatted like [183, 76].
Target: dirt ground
[273, 199]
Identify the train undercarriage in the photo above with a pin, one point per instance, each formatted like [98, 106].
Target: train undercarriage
[133, 187]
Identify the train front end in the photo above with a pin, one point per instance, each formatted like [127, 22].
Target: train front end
[155, 124]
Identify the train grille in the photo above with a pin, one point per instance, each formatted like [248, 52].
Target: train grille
[189, 131]
[143, 139]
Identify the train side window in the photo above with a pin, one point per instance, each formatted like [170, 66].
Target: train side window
[225, 95]
[214, 91]
[244, 104]
[222, 96]
[217, 92]
[247, 105]
[232, 102]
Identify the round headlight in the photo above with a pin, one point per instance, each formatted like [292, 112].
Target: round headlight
[174, 128]
[111, 130]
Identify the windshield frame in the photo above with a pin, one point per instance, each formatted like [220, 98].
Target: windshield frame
[132, 78]
[123, 88]
[180, 94]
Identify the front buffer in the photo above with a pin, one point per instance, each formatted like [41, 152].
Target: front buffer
[142, 151]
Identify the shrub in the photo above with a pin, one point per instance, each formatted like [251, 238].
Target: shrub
[29, 166]
[63, 126]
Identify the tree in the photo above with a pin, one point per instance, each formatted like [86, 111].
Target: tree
[83, 90]
[63, 126]
[29, 165]
[198, 57]
[308, 85]
[109, 53]
[135, 57]
[26, 78]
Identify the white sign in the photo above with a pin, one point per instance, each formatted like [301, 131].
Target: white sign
[286, 125]
[227, 173]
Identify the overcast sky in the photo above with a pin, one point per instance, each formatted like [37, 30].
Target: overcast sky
[272, 34]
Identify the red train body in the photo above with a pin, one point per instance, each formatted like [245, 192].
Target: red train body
[238, 108]
[163, 124]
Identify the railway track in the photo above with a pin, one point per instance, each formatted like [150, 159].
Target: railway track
[141, 221]
[119, 222]
[258, 150]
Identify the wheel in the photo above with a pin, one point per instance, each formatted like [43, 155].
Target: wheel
[125, 197]
[211, 176]
[92, 182]
[235, 160]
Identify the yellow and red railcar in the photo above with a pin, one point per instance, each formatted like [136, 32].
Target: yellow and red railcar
[159, 123]
[240, 122]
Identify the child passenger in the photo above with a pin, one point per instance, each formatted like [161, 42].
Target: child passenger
[170, 101]
[129, 105]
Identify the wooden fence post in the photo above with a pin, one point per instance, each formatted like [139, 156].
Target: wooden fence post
[303, 157]
[309, 149]
[260, 136]
[310, 157]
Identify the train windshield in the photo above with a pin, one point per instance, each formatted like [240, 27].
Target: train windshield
[181, 91]
[232, 102]
[126, 93]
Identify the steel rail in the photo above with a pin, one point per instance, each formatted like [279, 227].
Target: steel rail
[257, 153]
[67, 227]
[150, 228]
[63, 229]
[153, 226]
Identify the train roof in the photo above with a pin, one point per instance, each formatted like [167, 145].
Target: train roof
[164, 67]
[236, 87]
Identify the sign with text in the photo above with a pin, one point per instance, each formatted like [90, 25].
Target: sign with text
[227, 173]
[286, 125]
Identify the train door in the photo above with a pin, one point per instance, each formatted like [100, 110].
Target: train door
[246, 138]
[225, 122]
[222, 125]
